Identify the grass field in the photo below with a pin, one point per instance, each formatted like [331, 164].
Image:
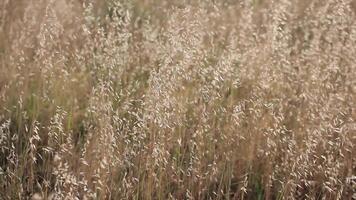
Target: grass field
[200, 99]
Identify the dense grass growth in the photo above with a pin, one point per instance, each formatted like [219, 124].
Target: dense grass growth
[154, 99]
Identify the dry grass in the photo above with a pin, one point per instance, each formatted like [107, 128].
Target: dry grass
[146, 99]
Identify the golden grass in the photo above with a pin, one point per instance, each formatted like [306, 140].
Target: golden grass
[146, 99]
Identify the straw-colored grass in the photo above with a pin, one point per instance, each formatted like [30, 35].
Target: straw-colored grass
[154, 99]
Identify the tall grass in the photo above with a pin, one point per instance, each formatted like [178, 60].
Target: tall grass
[144, 99]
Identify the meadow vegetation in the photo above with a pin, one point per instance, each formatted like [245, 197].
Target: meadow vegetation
[200, 99]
